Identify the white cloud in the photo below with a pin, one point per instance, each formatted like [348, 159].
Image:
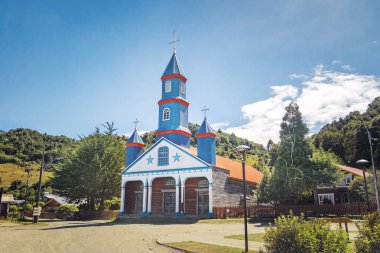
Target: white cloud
[323, 97]
[297, 76]
[220, 125]
[347, 67]
[334, 62]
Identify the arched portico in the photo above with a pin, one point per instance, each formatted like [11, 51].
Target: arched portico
[197, 196]
[163, 197]
[134, 197]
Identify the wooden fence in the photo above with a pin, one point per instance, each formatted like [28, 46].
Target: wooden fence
[79, 215]
[307, 210]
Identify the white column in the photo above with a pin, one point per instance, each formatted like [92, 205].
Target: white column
[122, 199]
[210, 203]
[149, 198]
[144, 198]
[183, 196]
[177, 198]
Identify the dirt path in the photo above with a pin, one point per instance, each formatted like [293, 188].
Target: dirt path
[78, 236]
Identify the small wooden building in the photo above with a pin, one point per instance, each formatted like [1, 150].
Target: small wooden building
[6, 200]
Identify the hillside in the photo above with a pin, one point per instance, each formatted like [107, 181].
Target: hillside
[347, 137]
[10, 172]
[25, 146]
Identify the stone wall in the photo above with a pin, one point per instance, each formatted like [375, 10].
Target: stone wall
[228, 192]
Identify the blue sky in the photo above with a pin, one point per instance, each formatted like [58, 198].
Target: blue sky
[69, 66]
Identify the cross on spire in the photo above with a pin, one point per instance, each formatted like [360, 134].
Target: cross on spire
[174, 41]
[205, 109]
[136, 122]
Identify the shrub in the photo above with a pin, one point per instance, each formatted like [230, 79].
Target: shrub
[28, 207]
[294, 234]
[41, 204]
[368, 239]
[113, 204]
[13, 209]
[66, 209]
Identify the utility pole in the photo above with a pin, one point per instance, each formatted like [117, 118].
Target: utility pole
[27, 170]
[1, 195]
[35, 217]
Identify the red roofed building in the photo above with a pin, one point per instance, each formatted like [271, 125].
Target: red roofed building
[339, 194]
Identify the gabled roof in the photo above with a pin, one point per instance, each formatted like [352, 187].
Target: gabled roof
[60, 200]
[7, 198]
[235, 168]
[174, 67]
[135, 138]
[163, 139]
[205, 128]
[352, 170]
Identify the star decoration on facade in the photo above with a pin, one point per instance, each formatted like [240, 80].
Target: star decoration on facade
[176, 157]
[150, 159]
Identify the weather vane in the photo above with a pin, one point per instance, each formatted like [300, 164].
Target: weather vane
[135, 122]
[205, 109]
[174, 41]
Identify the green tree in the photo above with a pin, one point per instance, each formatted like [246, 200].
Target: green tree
[291, 165]
[92, 171]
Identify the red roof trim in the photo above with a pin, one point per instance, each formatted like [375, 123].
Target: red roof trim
[134, 144]
[173, 132]
[166, 77]
[203, 135]
[173, 100]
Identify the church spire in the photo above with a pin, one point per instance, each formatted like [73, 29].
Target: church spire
[135, 146]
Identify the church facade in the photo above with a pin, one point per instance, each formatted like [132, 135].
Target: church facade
[171, 177]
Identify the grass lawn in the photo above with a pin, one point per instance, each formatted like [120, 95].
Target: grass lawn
[199, 247]
[10, 172]
[257, 237]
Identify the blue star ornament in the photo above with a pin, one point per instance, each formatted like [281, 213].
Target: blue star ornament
[176, 157]
[150, 159]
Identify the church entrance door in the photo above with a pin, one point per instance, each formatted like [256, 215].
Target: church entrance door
[169, 203]
[202, 202]
[138, 203]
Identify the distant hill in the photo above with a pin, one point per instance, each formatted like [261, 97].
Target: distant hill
[25, 145]
[347, 137]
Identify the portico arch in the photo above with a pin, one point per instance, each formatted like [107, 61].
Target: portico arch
[134, 197]
[163, 196]
[197, 196]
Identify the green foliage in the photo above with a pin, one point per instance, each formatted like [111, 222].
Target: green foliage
[368, 239]
[347, 137]
[112, 204]
[66, 209]
[298, 167]
[92, 170]
[25, 145]
[13, 209]
[294, 234]
[28, 207]
[357, 189]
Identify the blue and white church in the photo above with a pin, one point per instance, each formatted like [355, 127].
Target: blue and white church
[172, 178]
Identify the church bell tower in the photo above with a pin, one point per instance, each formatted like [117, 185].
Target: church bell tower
[173, 107]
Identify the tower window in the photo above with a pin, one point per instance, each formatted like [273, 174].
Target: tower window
[168, 86]
[166, 114]
[182, 88]
[163, 156]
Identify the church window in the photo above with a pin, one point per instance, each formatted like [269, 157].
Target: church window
[168, 86]
[163, 156]
[170, 182]
[182, 88]
[166, 114]
[203, 183]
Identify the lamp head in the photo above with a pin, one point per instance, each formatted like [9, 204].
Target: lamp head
[362, 162]
[242, 148]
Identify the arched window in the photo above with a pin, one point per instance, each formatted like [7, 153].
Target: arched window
[166, 114]
[163, 156]
[182, 88]
[168, 86]
[203, 183]
[170, 182]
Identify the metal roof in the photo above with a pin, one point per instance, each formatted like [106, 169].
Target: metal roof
[174, 67]
[205, 128]
[135, 138]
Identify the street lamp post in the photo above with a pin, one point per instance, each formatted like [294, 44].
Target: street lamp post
[370, 139]
[243, 149]
[362, 163]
